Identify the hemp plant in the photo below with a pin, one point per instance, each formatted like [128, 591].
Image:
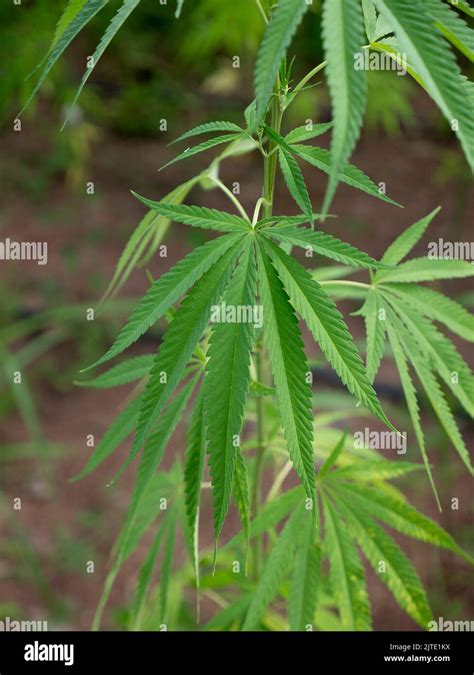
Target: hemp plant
[245, 387]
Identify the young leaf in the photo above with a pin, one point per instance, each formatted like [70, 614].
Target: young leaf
[167, 290]
[327, 327]
[322, 244]
[123, 373]
[346, 573]
[407, 240]
[279, 32]
[370, 19]
[399, 575]
[289, 368]
[349, 174]
[434, 61]
[74, 27]
[198, 216]
[306, 579]
[180, 341]
[277, 565]
[209, 127]
[343, 38]
[114, 26]
[226, 385]
[205, 145]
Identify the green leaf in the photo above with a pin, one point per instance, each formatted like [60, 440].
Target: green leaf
[452, 26]
[117, 432]
[289, 367]
[198, 216]
[432, 58]
[145, 575]
[114, 26]
[202, 147]
[167, 290]
[304, 133]
[226, 385]
[209, 127]
[427, 269]
[180, 341]
[370, 19]
[166, 565]
[90, 9]
[278, 563]
[346, 574]
[279, 32]
[72, 9]
[399, 514]
[407, 240]
[343, 38]
[123, 373]
[272, 513]
[306, 578]
[152, 456]
[151, 226]
[411, 400]
[327, 327]
[442, 354]
[436, 396]
[322, 244]
[437, 307]
[333, 457]
[375, 330]
[193, 471]
[350, 174]
[400, 576]
[241, 494]
[373, 470]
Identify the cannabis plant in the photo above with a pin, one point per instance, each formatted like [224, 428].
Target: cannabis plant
[232, 361]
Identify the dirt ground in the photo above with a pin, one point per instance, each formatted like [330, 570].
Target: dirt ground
[66, 524]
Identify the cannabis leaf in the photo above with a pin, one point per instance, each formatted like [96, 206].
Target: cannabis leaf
[226, 385]
[279, 32]
[434, 61]
[290, 370]
[342, 26]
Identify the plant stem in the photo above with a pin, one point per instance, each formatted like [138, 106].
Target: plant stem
[230, 194]
[269, 173]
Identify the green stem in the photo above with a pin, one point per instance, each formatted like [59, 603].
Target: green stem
[269, 173]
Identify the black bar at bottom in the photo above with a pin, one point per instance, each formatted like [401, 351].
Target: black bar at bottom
[382, 652]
